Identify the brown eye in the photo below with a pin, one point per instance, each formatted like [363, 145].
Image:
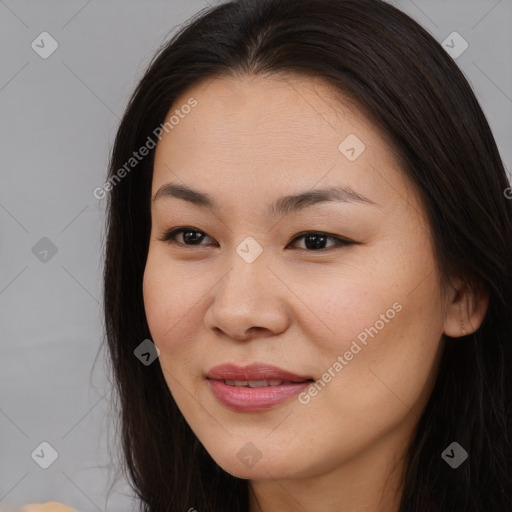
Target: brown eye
[191, 236]
[316, 240]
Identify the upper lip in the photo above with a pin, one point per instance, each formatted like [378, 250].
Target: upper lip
[255, 371]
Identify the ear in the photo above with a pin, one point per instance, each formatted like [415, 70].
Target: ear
[466, 310]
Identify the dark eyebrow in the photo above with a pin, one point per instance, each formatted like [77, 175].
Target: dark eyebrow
[282, 206]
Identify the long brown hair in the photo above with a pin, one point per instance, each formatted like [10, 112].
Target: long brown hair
[418, 96]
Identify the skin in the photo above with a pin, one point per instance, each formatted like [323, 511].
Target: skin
[249, 141]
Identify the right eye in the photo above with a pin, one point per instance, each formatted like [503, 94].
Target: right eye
[192, 236]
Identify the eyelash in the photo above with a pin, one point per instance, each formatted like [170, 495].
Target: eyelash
[340, 242]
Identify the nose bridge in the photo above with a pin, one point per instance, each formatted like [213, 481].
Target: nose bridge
[248, 270]
[244, 298]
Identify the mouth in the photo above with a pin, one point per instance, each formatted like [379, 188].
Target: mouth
[261, 383]
[253, 388]
[255, 372]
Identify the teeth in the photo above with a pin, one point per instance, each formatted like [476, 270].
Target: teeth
[256, 383]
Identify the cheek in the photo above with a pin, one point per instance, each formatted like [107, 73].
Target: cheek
[169, 300]
[339, 304]
[170, 304]
[157, 296]
[386, 321]
[388, 362]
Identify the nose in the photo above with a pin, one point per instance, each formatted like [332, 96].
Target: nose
[248, 302]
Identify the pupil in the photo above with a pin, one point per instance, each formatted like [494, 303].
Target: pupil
[319, 240]
[194, 238]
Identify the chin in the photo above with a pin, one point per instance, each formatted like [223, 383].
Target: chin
[264, 468]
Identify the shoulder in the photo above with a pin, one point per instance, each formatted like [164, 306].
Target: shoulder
[50, 506]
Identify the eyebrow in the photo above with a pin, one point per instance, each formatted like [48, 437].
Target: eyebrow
[284, 205]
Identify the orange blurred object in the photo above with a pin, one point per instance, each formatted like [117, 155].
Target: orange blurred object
[50, 506]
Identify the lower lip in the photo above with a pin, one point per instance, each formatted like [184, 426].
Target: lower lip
[245, 399]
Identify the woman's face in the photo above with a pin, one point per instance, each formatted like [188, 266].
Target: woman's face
[364, 320]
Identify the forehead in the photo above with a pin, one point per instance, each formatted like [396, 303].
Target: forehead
[278, 132]
[282, 109]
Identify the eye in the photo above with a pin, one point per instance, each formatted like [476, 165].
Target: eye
[314, 240]
[191, 236]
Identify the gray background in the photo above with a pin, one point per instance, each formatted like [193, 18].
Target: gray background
[58, 120]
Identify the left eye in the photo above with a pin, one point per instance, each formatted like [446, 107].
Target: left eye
[314, 239]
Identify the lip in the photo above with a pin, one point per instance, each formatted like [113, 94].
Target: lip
[255, 371]
[246, 399]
